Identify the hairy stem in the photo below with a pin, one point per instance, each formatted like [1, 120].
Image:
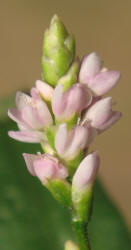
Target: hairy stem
[80, 230]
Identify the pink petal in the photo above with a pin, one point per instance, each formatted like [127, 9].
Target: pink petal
[68, 143]
[26, 136]
[16, 115]
[22, 100]
[34, 93]
[44, 113]
[79, 135]
[31, 117]
[58, 103]
[79, 98]
[90, 66]
[29, 159]
[37, 116]
[103, 82]
[99, 113]
[44, 169]
[92, 133]
[45, 90]
[87, 171]
[61, 139]
[48, 169]
[75, 99]
[116, 115]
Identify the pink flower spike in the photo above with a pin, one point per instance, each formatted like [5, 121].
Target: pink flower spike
[45, 90]
[74, 100]
[87, 171]
[100, 115]
[45, 167]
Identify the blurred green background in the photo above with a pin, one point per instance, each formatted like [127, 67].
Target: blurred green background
[99, 25]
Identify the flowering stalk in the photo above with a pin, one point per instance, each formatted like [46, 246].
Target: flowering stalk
[65, 113]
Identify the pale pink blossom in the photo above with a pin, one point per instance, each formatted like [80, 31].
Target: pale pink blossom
[31, 115]
[45, 90]
[74, 100]
[45, 167]
[99, 80]
[100, 115]
[86, 173]
[69, 143]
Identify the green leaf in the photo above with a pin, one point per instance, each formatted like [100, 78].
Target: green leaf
[30, 219]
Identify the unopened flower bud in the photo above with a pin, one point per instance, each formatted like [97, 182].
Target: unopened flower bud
[100, 81]
[82, 190]
[101, 116]
[58, 51]
[86, 172]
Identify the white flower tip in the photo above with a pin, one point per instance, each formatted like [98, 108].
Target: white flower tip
[87, 171]
[45, 90]
[90, 66]
[107, 100]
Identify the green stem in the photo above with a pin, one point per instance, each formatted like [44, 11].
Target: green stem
[80, 230]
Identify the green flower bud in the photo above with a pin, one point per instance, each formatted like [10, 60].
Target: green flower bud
[82, 186]
[71, 76]
[58, 51]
